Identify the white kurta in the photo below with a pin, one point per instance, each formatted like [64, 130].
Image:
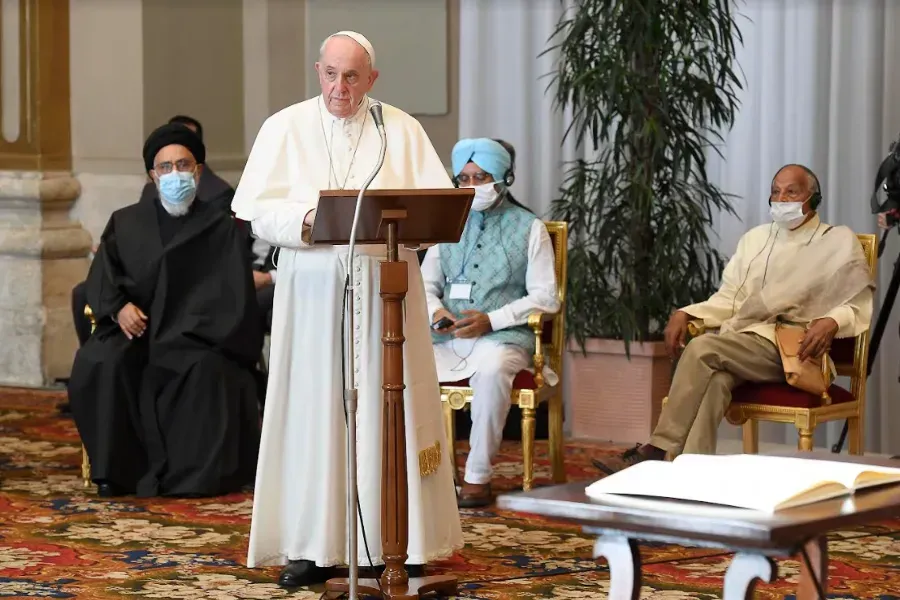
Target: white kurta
[299, 506]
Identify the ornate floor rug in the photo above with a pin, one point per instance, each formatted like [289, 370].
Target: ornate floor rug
[58, 540]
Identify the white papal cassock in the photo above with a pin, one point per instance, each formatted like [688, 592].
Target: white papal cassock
[299, 509]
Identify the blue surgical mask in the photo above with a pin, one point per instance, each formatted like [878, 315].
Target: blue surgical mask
[177, 187]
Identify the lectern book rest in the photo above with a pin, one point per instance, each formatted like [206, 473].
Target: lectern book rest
[435, 216]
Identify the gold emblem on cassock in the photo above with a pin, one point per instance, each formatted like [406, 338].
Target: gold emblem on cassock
[430, 459]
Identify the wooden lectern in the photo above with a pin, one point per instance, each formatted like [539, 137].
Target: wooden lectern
[393, 218]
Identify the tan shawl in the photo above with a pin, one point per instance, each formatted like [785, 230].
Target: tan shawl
[825, 274]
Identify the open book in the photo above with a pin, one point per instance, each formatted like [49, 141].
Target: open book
[756, 482]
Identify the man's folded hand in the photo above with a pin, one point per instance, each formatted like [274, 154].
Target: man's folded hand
[817, 340]
[676, 333]
[474, 324]
[132, 321]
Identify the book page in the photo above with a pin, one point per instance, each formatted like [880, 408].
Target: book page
[729, 487]
[849, 475]
[764, 483]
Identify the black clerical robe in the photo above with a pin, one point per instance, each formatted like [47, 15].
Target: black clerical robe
[175, 411]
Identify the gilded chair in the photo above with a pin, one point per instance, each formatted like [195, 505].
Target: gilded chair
[783, 403]
[85, 460]
[529, 390]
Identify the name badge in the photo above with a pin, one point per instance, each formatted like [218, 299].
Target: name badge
[460, 291]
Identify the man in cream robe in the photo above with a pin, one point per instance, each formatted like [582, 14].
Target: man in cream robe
[796, 269]
[299, 511]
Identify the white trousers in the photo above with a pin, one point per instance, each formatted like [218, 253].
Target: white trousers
[491, 384]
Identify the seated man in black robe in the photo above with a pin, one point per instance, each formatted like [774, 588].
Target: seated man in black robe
[211, 189]
[217, 192]
[163, 393]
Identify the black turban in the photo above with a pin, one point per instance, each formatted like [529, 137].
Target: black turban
[173, 133]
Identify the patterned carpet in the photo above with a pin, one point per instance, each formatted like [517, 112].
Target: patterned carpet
[58, 540]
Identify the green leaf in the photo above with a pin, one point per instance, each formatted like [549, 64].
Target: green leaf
[652, 86]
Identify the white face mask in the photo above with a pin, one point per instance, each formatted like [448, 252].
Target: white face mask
[787, 214]
[485, 196]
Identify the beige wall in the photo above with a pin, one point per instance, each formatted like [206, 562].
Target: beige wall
[444, 129]
[107, 99]
[193, 65]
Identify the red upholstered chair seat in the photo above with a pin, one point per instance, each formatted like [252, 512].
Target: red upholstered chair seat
[523, 381]
[782, 394]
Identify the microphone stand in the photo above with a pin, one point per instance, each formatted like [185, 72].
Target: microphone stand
[350, 393]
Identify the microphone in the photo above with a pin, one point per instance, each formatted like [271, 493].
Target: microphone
[350, 393]
[375, 109]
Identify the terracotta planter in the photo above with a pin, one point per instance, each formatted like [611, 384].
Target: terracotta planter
[611, 397]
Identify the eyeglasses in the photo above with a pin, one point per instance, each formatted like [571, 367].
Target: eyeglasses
[479, 178]
[182, 164]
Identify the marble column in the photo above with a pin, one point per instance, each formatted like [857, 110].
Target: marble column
[43, 253]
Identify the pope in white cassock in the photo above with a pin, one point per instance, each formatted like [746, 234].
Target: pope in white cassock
[299, 510]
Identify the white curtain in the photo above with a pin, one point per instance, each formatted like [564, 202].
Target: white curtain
[822, 88]
[502, 83]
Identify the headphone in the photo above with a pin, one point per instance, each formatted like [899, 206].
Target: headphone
[816, 199]
[509, 177]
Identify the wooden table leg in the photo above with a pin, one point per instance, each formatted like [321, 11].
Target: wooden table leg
[744, 572]
[817, 550]
[624, 562]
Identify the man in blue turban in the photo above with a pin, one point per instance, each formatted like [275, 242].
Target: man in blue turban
[480, 293]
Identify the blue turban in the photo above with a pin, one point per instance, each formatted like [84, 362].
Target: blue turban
[491, 156]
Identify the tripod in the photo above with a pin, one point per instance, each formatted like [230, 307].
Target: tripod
[880, 324]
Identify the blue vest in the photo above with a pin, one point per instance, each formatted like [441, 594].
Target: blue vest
[492, 256]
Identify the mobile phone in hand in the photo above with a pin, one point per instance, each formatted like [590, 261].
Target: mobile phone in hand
[444, 323]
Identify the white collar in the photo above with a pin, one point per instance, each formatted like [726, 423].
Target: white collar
[357, 117]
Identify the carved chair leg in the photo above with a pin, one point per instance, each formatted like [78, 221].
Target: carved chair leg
[805, 441]
[557, 447]
[743, 574]
[817, 550]
[85, 467]
[527, 448]
[450, 435]
[750, 433]
[854, 436]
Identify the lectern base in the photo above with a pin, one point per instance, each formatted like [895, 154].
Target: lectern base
[441, 585]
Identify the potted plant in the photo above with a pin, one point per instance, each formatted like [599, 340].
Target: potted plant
[650, 84]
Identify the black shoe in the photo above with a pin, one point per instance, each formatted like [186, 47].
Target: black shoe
[299, 573]
[106, 489]
[630, 457]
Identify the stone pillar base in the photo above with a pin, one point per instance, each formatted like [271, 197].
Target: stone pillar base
[43, 255]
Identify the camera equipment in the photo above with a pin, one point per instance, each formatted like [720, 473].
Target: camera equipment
[888, 177]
